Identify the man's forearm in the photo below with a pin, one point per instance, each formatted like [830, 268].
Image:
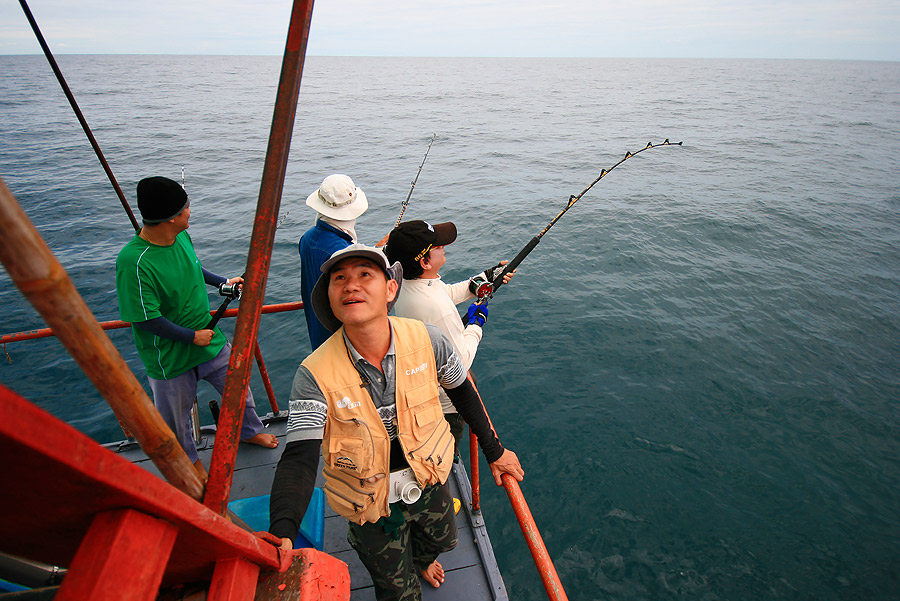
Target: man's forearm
[465, 398]
[212, 279]
[295, 478]
[162, 327]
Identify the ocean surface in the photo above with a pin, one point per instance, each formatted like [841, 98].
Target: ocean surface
[699, 365]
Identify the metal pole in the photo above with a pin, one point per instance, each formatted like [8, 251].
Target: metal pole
[539, 553]
[247, 326]
[264, 374]
[36, 272]
[115, 325]
[473, 461]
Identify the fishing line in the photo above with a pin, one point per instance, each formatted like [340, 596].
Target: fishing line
[487, 288]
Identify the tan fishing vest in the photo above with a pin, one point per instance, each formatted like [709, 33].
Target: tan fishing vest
[356, 445]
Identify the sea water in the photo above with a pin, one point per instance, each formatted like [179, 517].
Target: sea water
[698, 365]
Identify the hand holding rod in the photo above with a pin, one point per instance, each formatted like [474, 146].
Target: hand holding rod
[221, 310]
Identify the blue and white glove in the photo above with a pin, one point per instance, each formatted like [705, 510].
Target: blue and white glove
[477, 314]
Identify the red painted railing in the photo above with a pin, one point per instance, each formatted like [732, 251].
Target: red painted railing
[115, 325]
[543, 562]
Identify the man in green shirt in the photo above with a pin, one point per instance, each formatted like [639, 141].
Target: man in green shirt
[161, 288]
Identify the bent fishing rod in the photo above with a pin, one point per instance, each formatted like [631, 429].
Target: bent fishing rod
[383, 242]
[413, 186]
[487, 287]
[78, 114]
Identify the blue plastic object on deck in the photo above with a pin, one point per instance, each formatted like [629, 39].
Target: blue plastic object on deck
[255, 511]
[11, 587]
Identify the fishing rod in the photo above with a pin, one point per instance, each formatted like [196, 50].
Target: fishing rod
[230, 292]
[413, 186]
[81, 119]
[487, 286]
[383, 242]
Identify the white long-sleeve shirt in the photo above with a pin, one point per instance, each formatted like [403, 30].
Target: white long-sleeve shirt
[434, 302]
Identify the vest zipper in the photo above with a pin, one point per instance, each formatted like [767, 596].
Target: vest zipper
[427, 440]
[446, 446]
[337, 476]
[356, 506]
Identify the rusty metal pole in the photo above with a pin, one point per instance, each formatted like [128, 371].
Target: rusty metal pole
[36, 272]
[247, 326]
[115, 325]
[539, 553]
[264, 374]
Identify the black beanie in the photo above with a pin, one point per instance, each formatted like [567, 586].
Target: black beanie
[160, 199]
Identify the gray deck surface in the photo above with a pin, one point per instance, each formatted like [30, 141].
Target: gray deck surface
[471, 569]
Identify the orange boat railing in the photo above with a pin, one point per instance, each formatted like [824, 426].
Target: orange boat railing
[542, 561]
[116, 324]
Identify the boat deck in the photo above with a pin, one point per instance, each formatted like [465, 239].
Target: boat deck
[471, 568]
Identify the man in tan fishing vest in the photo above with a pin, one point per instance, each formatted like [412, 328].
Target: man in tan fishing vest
[368, 398]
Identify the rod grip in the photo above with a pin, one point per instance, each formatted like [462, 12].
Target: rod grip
[498, 281]
[219, 313]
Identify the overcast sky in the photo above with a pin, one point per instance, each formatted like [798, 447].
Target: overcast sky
[826, 29]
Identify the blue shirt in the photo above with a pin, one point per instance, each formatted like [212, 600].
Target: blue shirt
[316, 246]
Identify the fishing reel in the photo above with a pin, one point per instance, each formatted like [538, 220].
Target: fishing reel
[482, 285]
[230, 291]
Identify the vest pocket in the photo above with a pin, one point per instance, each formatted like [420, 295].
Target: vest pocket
[434, 448]
[348, 495]
[421, 405]
[351, 448]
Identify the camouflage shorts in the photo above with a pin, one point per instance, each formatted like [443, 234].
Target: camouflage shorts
[429, 530]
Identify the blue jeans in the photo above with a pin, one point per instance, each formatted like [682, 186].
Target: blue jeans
[174, 400]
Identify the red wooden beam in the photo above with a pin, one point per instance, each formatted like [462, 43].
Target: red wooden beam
[57, 479]
[261, 241]
[123, 556]
[233, 580]
[312, 576]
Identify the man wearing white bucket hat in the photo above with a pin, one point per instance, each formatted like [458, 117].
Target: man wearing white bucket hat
[338, 202]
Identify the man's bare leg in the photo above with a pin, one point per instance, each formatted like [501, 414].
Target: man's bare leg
[264, 440]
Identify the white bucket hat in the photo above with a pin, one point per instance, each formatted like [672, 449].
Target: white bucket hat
[338, 198]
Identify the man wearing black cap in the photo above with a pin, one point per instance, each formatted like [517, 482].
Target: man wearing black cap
[368, 400]
[161, 288]
[419, 247]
